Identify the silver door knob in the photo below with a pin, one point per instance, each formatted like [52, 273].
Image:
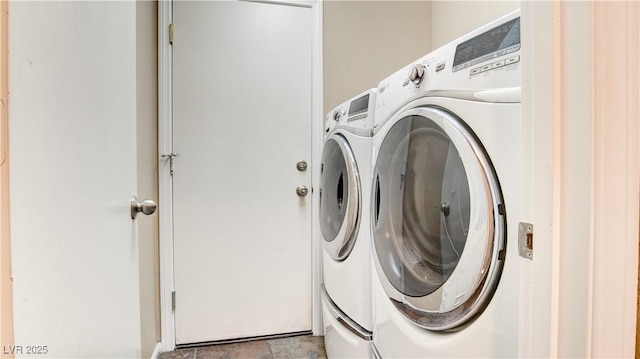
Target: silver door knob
[146, 207]
[302, 190]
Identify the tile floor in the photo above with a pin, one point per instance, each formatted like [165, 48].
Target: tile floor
[299, 347]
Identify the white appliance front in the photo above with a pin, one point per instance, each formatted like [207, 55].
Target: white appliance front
[345, 182]
[445, 200]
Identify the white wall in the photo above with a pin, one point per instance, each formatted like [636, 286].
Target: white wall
[366, 41]
[452, 19]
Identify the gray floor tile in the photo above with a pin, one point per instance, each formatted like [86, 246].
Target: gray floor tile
[298, 347]
[179, 354]
[247, 350]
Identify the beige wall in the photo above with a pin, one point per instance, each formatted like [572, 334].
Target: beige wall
[147, 135]
[366, 41]
[452, 19]
[6, 299]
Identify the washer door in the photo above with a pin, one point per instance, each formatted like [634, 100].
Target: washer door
[339, 197]
[439, 230]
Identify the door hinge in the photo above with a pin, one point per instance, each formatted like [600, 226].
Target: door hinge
[171, 29]
[173, 301]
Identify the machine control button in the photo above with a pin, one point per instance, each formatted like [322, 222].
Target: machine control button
[486, 68]
[512, 60]
[497, 64]
[357, 117]
[474, 71]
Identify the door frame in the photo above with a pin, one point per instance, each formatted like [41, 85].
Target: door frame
[165, 142]
[583, 165]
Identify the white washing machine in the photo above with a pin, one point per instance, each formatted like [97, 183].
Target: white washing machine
[345, 185]
[445, 200]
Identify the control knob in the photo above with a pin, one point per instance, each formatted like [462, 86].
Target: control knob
[416, 74]
[337, 115]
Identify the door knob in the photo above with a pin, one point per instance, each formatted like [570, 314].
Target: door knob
[302, 190]
[146, 207]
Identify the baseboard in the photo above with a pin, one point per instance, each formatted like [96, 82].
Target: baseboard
[156, 351]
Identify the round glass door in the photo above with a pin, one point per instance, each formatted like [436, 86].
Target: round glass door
[339, 197]
[438, 223]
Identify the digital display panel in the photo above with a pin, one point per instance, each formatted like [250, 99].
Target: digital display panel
[496, 42]
[359, 105]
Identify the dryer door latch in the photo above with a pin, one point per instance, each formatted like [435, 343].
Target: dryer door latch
[525, 240]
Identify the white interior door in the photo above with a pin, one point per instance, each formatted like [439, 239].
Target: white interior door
[241, 122]
[72, 113]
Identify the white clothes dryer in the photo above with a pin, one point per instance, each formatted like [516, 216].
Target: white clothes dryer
[445, 200]
[345, 185]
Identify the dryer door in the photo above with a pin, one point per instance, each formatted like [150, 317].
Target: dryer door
[340, 204]
[438, 220]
